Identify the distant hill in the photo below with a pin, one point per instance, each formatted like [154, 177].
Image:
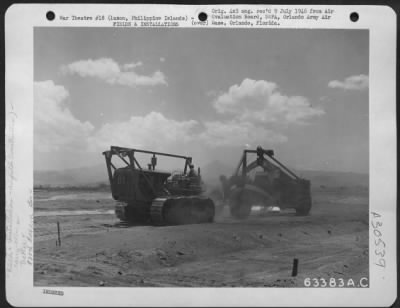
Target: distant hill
[210, 172]
[72, 177]
[334, 179]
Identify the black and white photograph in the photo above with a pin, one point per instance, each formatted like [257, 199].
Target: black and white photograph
[270, 133]
[202, 157]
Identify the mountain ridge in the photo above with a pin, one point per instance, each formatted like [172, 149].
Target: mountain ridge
[97, 174]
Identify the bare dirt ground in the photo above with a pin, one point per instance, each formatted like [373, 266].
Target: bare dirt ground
[97, 250]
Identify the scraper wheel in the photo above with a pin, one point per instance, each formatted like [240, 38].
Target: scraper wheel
[240, 208]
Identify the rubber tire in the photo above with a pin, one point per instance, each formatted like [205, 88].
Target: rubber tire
[210, 209]
[238, 209]
[304, 204]
[240, 212]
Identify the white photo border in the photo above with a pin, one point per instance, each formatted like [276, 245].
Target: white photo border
[20, 19]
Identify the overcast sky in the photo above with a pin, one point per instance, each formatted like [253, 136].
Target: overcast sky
[208, 93]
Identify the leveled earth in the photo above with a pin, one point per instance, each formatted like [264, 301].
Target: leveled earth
[97, 250]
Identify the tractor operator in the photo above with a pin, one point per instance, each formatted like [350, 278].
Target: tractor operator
[192, 172]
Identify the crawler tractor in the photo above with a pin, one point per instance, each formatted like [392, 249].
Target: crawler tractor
[274, 185]
[151, 195]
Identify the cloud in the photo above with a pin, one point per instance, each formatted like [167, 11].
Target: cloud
[55, 127]
[157, 132]
[58, 133]
[132, 65]
[356, 82]
[111, 72]
[235, 133]
[260, 101]
[255, 111]
[162, 59]
[151, 131]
